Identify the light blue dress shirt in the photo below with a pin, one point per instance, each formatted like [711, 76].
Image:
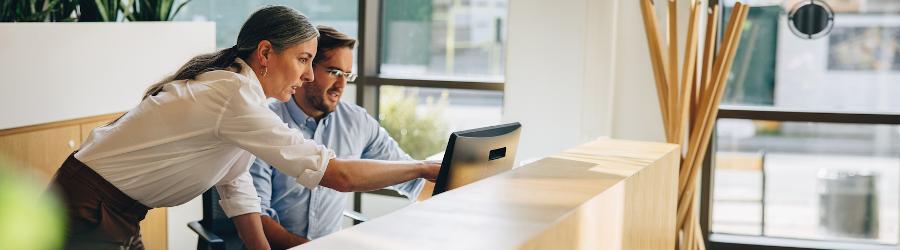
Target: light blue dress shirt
[352, 134]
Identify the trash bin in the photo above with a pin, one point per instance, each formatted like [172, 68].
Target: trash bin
[848, 203]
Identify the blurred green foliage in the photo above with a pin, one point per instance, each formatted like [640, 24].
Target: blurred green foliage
[420, 134]
[31, 218]
[26, 10]
[146, 10]
[98, 10]
[88, 10]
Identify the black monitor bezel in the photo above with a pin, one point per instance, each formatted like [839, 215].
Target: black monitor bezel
[440, 185]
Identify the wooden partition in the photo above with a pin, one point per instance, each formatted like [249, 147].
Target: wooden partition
[39, 150]
[605, 194]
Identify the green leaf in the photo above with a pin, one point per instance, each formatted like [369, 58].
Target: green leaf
[102, 10]
[178, 9]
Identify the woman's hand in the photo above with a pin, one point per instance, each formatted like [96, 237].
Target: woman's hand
[430, 170]
[367, 175]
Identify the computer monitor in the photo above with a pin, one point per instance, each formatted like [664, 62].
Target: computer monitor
[476, 154]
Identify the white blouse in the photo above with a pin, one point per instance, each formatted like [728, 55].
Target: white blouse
[198, 133]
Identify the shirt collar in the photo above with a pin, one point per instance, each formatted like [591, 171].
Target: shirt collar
[247, 71]
[301, 117]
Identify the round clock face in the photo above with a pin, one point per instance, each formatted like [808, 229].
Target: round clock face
[811, 19]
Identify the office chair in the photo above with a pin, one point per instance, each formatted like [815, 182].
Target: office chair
[216, 231]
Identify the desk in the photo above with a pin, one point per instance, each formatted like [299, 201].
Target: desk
[605, 194]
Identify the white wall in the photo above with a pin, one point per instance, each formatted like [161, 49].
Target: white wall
[60, 71]
[578, 70]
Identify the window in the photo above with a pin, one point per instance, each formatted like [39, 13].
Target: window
[438, 64]
[230, 15]
[773, 67]
[812, 180]
[440, 69]
[807, 144]
[421, 119]
[421, 84]
[442, 38]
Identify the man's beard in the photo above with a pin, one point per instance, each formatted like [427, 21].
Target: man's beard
[315, 97]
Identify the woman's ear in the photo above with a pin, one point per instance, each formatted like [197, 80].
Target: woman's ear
[263, 50]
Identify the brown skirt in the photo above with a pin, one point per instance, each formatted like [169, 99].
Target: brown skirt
[99, 215]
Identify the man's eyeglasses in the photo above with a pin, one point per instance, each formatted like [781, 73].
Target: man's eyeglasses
[338, 73]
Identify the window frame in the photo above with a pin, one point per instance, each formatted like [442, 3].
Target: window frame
[739, 242]
[370, 79]
[369, 64]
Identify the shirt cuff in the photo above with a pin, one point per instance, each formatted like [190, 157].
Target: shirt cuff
[414, 189]
[310, 178]
[240, 205]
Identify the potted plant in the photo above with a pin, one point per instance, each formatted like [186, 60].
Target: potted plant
[98, 10]
[145, 10]
[26, 10]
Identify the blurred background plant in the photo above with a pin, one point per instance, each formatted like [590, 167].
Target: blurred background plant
[31, 218]
[89, 10]
[98, 10]
[421, 133]
[148, 10]
[26, 10]
[64, 11]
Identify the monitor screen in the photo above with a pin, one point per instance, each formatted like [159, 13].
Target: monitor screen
[476, 154]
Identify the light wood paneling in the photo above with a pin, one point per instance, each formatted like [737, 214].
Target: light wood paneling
[87, 127]
[154, 229]
[65, 123]
[606, 194]
[739, 161]
[41, 151]
[42, 148]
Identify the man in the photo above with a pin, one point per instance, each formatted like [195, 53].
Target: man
[293, 214]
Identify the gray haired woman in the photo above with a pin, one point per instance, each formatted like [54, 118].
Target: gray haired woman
[203, 127]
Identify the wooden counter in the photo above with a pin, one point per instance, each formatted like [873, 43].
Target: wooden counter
[605, 194]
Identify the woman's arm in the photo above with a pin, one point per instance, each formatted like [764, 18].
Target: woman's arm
[367, 175]
[250, 230]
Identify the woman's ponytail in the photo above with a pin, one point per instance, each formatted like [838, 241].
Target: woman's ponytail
[280, 25]
[198, 65]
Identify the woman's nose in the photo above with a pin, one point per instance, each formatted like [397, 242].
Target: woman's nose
[308, 75]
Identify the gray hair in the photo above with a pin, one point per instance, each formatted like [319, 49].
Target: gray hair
[280, 25]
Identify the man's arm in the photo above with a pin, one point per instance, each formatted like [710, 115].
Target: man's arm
[279, 237]
[250, 230]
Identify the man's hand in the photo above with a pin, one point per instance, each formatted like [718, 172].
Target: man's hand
[279, 237]
[430, 170]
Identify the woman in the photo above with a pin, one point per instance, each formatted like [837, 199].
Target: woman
[201, 128]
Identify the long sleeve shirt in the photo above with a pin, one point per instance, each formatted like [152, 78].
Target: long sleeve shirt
[200, 133]
[315, 212]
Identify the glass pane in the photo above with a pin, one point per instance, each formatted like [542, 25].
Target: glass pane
[421, 119]
[825, 181]
[229, 15]
[349, 95]
[441, 38]
[861, 55]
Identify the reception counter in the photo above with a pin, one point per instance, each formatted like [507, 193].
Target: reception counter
[605, 194]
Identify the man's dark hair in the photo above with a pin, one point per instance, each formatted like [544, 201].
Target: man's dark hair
[329, 39]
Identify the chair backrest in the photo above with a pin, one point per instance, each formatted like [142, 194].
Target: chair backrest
[214, 219]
